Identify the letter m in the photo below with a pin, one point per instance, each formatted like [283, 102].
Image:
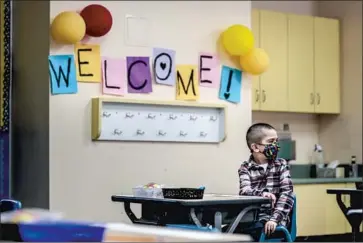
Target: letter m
[190, 82]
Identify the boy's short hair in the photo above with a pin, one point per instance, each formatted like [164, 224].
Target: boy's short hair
[255, 134]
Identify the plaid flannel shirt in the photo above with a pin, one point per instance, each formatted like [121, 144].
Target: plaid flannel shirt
[254, 180]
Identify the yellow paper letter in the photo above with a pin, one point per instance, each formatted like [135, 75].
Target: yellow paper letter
[187, 87]
[88, 63]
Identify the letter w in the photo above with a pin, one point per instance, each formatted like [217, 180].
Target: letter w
[61, 73]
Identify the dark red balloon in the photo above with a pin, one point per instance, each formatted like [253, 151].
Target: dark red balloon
[98, 20]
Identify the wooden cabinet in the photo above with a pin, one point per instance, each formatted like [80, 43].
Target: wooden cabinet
[327, 65]
[301, 63]
[310, 213]
[270, 89]
[304, 67]
[318, 212]
[335, 220]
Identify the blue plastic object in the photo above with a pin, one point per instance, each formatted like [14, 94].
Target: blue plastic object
[61, 232]
[7, 205]
[191, 227]
[290, 236]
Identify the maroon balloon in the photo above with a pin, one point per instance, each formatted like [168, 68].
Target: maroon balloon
[98, 20]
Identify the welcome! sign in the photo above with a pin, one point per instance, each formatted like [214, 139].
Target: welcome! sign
[138, 74]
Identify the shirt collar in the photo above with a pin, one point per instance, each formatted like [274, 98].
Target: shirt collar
[252, 164]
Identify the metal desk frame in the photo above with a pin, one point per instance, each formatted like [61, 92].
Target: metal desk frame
[355, 203]
[251, 204]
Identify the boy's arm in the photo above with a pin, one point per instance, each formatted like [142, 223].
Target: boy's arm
[245, 188]
[285, 202]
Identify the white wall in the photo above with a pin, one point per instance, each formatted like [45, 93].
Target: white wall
[84, 175]
[304, 127]
[304, 130]
[342, 135]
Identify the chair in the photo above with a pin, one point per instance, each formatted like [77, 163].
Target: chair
[9, 205]
[359, 185]
[289, 232]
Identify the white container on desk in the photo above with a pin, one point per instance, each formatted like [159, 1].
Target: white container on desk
[147, 192]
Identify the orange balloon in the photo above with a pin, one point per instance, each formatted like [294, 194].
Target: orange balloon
[255, 62]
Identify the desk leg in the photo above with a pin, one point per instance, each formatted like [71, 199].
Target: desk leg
[355, 229]
[218, 221]
[129, 212]
[355, 233]
[341, 204]
[238, 219]
[134, 219]
[195, 218]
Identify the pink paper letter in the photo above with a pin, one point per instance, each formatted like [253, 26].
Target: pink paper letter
[114, 76]
[209, 70]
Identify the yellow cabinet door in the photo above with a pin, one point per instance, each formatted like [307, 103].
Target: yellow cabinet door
[318, 212]
[327, 65]
[310, 213]
[301, 63]
[273, 39]
[335, 222]
[255, 26]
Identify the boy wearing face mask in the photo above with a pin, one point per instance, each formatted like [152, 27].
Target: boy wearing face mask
[264, 174]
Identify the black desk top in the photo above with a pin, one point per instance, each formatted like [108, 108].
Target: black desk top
[208, 200]
[344, 191]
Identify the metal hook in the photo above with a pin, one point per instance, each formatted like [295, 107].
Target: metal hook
[161, 133]
[183, 134]
[193, 118]
[172, 117]
[213, 118]
[129, 115]
[106, 114]
[140, 132]
[203, 134]
[151, 116]
[117, 132]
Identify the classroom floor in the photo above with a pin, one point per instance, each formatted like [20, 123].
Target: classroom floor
[330, 238]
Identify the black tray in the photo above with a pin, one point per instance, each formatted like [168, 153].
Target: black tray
[183, 193]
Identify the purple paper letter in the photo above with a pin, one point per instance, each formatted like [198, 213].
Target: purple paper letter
[138, 75]
[164, 66]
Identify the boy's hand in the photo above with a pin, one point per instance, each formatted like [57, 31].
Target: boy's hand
[271, 196]
[270, 227]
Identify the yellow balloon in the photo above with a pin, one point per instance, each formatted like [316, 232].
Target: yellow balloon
[255, 62]
[68, 28]
[238, 40]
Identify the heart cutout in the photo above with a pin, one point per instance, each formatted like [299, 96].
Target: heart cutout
[163, 65]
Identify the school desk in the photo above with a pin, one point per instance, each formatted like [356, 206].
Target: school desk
[353, 213]
[213, 209]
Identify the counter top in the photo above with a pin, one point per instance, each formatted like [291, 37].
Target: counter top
[300, 181]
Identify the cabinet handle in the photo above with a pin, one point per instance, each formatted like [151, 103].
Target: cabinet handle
[312, 98]
[263, 96]
[257, 95]
[318, 99]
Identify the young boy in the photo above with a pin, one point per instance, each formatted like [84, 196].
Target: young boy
[264, 174]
